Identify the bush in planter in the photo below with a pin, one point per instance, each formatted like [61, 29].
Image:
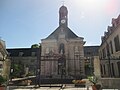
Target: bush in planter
[2, 83]
[2, 80]
[79, 83]
[94, 80]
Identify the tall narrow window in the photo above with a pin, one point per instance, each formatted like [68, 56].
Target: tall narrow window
[104, 70]
[101, 69]
[107, 49]
[111, 47]
[108, 68]
[113, 72]
[103, 53]
[100, 55]
[118, 65]
[117, 43]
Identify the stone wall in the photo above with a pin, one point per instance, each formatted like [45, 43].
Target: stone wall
[6, 69]
[113, 83]
[115, 70]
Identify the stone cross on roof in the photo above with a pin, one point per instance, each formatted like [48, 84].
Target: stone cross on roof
[63, 2]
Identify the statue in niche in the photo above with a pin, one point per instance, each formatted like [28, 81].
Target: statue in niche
[76, 49]
[61, 52]
[47, 50]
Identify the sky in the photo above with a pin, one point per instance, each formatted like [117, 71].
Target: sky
[26, 22]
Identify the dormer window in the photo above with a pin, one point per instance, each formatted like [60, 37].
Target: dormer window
[21, 53]
[33, 53]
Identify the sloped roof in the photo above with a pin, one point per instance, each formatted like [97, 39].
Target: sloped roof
[91, 51]
[26, 51]
[69, 34]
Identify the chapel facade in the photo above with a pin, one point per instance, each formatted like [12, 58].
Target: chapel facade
[62, 51]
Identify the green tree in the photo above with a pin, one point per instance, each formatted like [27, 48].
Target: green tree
[2, 80]
[18, 70]
[89, 69]
[35, 46]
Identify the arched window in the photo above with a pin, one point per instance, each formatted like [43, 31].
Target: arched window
[61, 48]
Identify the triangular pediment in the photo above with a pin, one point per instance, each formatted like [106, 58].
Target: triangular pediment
[69, 34]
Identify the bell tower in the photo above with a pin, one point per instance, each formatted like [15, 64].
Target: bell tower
[63, 16]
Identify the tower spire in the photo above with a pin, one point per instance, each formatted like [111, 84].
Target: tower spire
[63, 15]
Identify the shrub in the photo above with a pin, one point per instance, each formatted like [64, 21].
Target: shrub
[2, 80]
[93, 79]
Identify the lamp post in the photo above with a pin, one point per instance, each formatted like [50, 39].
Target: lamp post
[37, 79]
[38, 65]
[11, 71]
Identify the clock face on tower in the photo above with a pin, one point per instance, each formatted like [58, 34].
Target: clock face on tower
[62, 21]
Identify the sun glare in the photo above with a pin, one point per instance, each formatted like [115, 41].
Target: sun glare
[95, 5]
[89, 3]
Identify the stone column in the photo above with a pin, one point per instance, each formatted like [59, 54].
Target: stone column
[97, 71]
[6, 68]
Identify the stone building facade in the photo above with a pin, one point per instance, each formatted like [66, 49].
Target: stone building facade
[109, 50]
[62, 51]
[4, 60]
[26, 59]
[89, 53]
